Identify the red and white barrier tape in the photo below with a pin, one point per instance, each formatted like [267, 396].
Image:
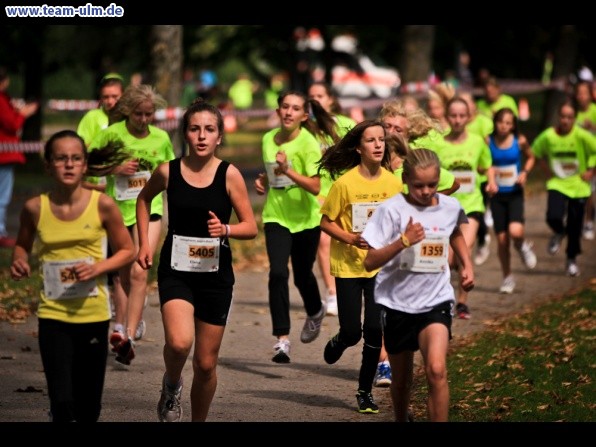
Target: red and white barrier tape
[22, 146]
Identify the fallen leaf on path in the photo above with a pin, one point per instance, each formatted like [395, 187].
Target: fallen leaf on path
[29, 389]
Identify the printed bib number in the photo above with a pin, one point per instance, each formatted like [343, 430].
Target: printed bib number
[60, 282]
[428, 256]
[277, 180]
[506, 175]
[129, 186]
[195, 254]
[564, 168]
[466, 180]
[361, 212]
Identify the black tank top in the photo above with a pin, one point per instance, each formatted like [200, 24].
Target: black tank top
[188, 212]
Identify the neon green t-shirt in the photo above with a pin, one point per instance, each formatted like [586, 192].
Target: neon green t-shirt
[151, 151]
[483, 126]
[568, 156]
[347, 261]
[292, 206]
[342, 127]
[93, 122]
[463, 161]
[431, 140]
[502, 101]
[589, 115]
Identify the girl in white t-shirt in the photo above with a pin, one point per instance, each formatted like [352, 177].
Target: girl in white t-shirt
[409, 237]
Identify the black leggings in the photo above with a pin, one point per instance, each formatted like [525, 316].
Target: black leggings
[301, 247]
[560, 205]
[350, 294]
[74, 357]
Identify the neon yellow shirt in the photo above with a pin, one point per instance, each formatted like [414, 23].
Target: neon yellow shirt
[291, 206]
[61, 241]
[568, 156]
[463, 161]
[347, 261]
[151, 151]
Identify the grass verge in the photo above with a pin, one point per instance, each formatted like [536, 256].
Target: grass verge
[535, 367]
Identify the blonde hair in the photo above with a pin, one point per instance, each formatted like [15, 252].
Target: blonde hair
[419, 123]
[132, 97]
[420, 158]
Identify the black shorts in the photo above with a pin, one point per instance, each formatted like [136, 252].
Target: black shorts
[476, 215]
[152, 218]
[507, 208]
[212, 305]
[401, 329]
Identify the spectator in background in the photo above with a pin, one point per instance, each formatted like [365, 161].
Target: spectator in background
[11, 123]
[463, 72]
[241, 94]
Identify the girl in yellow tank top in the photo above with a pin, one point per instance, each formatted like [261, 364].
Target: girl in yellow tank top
[73, 225]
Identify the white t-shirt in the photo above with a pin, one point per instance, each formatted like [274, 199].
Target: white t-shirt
[401, 284]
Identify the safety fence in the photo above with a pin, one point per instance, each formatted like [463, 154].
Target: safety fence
[169, 119]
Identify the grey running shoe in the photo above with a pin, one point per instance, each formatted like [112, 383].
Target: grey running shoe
[168, 407]
[312, 325]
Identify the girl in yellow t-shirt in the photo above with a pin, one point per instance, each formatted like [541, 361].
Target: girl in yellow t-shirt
[367, 181]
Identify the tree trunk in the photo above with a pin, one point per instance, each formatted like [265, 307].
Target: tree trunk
[166, 61]
[33, 58]
[166, 69]
[417, 51]
[566, 55]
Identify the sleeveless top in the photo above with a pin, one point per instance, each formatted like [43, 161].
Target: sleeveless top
[188, 213]
[506, 157]
[63, 243]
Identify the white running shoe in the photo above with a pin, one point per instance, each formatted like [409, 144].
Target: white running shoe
[282, 351]
[527, 255]
[482, 254]
[332, 305]
[508, 285]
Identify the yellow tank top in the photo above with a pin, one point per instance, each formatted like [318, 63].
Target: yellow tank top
[61, 245]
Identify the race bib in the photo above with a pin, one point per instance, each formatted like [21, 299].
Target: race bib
[506, 175]
[361, 212]
[60, 283]
[195, 254]
[564, 168]
[466, 180]
[129, 186]
[428, 256]
[277, 180]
